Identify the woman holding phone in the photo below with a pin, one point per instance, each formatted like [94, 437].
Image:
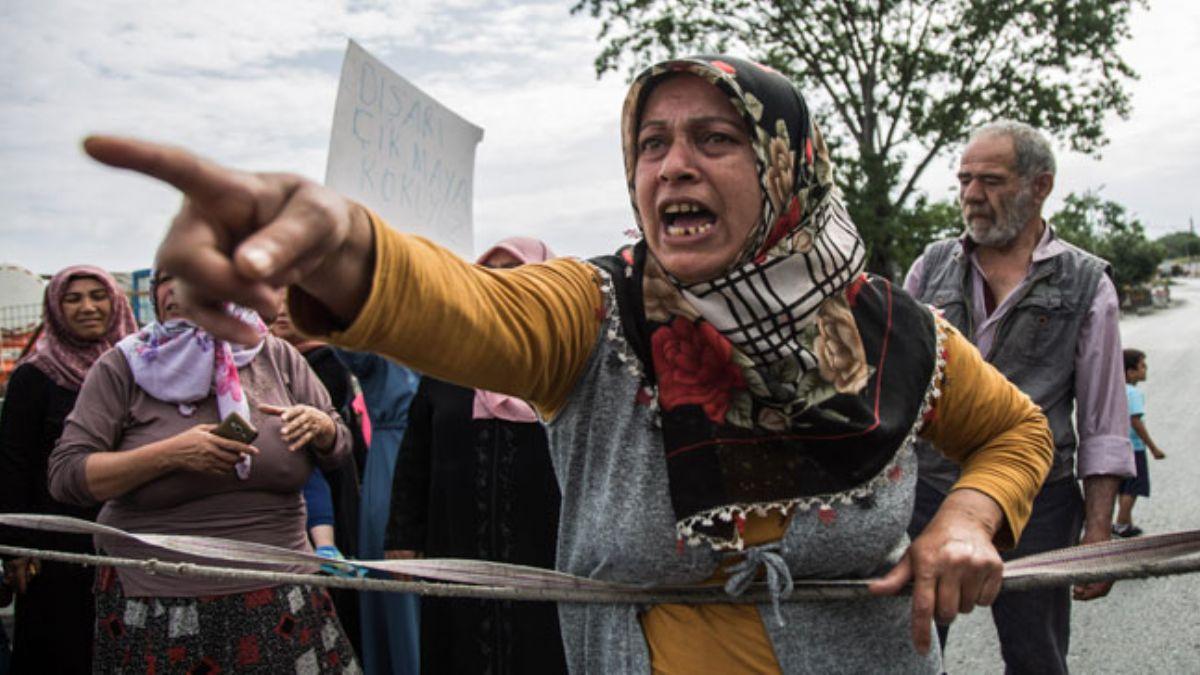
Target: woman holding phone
[735, 399]
[152, 439]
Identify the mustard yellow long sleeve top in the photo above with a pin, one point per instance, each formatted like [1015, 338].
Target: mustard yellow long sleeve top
[529, 332]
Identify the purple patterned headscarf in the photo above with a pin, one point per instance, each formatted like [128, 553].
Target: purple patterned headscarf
[61, 354]
[179, 362]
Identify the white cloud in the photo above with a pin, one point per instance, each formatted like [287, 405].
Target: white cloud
[253, 85]
[1152, 161]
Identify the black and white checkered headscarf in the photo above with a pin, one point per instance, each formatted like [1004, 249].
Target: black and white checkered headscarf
[791, 380]
[805, 247]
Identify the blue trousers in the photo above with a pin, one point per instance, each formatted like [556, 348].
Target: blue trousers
[1034, 627]
[390, 621]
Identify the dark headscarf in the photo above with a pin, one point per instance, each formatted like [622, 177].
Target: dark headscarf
[61, 354]
[771, 377]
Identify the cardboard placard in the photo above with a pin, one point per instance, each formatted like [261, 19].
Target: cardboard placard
[402, 154]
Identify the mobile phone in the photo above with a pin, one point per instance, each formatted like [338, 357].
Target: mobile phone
[236, 428]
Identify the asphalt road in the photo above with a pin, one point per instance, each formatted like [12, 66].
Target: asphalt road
[1143, 626]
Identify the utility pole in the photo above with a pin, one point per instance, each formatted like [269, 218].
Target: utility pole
[1191, 237]
[1192, 229]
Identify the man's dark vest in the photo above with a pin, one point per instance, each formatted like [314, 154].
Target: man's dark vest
[1035, 343]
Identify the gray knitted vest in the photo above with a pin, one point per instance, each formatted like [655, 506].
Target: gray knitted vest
[617, 524]
[1034, 346]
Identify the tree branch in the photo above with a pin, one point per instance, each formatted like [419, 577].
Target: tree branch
[816, 68]
[857, 49]
[911, 184]
[908, 69]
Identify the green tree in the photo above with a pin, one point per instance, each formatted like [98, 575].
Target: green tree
[1104, 228]
[923, 222]
[1183, 244]
[896, 83]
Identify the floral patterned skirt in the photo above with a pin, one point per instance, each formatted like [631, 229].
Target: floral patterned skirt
[281, 629]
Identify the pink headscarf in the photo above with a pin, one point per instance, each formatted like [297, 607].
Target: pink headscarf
[61, 354]
[489, 404]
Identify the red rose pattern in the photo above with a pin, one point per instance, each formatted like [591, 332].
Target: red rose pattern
[694, 366]
[784, 224]
[826, 515]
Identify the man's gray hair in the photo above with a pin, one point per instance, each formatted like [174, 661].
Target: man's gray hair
[1033, 151]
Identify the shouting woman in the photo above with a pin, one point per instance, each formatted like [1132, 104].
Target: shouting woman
[736, 398]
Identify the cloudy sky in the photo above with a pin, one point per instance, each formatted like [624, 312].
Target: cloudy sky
[253, 85]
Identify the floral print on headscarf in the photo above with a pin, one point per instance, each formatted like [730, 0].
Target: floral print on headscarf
[178, 362]
[769, 378]
[790, 274]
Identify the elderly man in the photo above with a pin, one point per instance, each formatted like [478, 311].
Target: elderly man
[1045, 314]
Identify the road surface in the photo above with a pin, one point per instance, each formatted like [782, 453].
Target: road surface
[1143, 626]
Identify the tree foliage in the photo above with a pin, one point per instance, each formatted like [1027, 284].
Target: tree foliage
[923, 222]
[896, 83]
[1183, 244]
[1105, 229]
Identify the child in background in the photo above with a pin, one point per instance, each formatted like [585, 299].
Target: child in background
[1132, 488]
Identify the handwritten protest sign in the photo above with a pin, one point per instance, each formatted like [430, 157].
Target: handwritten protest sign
[401, 153]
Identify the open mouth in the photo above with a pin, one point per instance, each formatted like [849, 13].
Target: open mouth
[687, 219]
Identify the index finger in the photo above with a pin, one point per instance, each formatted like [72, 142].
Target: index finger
[894, 581]
[187, 172]
[924, 597]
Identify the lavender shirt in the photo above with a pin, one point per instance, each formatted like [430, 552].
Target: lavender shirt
[1101, 409]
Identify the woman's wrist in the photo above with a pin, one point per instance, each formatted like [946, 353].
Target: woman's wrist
[160, 456]
[326, 438]
[342, 283]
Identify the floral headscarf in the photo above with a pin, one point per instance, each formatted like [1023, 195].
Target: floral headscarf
[770, 377]
[61, 354]
[804, 249]
[178, 362]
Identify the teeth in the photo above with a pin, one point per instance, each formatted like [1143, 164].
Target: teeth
[682, 208]
[679, 231]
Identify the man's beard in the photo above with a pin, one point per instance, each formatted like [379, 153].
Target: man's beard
[1004, 229]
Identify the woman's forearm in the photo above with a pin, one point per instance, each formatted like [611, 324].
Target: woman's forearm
[527, 332]
[112, 474]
